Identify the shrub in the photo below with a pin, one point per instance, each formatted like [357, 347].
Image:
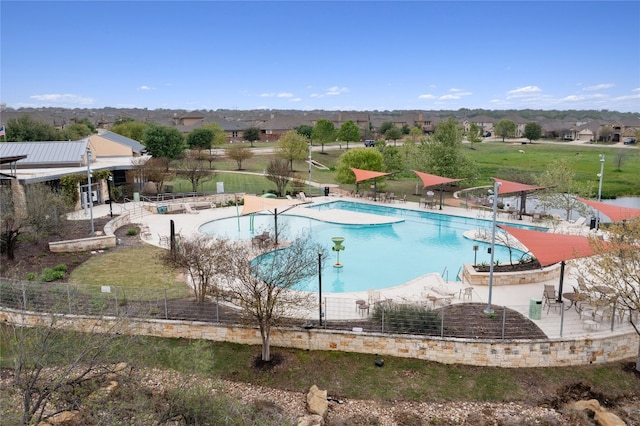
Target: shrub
[132, 232]
[407, 319]
[61, 268]
[50, 274]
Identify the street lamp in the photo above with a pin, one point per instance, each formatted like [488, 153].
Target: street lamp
[109, 180]
[600, 190]
[496, 186]
[320, 284]
[89, 192]
[309, 184]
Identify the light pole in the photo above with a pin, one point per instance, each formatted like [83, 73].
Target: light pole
[496, 186]
[600, 190]
[309, 184]
[89, 192]
[109, 180]
[320, 284]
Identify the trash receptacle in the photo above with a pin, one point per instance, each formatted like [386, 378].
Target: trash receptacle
[535, 308]
[326, 191]
[593, 223]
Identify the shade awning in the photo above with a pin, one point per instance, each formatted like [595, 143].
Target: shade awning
[551, 248]
[367, 174]
[615, 213]
[509, 187]
[433, 180]
[255, 204]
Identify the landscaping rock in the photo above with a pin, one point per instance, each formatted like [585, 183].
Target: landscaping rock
[311, 420]
[317, 401]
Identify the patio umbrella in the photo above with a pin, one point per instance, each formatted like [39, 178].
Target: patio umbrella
[615, 213]
[509, 187]
[550, 248]
[362, 175]
[254, 204]
[434, 180]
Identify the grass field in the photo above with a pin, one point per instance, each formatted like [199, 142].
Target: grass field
[621, 171]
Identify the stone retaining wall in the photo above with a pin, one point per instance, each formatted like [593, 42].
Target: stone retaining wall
[473, 278]
[100, 242]
[494, 353]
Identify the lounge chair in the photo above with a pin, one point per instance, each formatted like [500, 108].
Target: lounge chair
[550, 298]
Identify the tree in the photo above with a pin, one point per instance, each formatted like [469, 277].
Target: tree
[292, 146]
[563, 189]
[162, 141]
[155, 170]
[200, 138]
[74, 132]
[392, 159]
[386, 125]
[194, 171]
[605, 134]
[505, 129]
[219, 135]
[251, 134]
[324, 131]
[305, 130]
[615, 265]
[43, 212]
[394, 134]
[279, 173]
[415, 133]
[27, 129]
[203, 259]
[349, 132]
[265, 285]
[131, 129]
[359, 158]
[442, 154]
[56, 369]
[474, 134]
[532, 131]
[238, 153]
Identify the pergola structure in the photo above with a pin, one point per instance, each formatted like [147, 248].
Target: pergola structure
[362, 175]
[435, 180]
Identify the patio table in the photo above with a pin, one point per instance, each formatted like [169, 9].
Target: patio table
[574, 298]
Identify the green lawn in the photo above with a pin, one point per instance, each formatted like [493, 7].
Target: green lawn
[621, 176]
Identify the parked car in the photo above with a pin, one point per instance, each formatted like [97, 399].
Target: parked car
[486, 134]
[369, 142]
[629, 141]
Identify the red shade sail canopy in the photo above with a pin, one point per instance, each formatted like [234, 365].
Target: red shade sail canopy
[433, 180]
[254, 204]
[551, 248]
[615, 213]
[366, 174]
[509, 187]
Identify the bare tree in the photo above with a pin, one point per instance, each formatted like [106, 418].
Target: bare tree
[264, 285]
[194, 171]
[203, 259]
[616, 265]
[157, 170]
[239, 153]
[51, 364]
[279, 173]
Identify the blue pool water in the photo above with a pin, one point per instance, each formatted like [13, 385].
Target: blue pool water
[376, 256]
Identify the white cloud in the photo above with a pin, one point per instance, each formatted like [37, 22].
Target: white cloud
[628, 97]
[600, 86]
[284, 95]
[636, 89]
[70, 99]
[335, 90]
[295, 99]
[457, 94]
[426, 96]
[144, 88]
[523, 91]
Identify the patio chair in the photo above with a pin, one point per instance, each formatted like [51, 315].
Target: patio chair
[550, 298]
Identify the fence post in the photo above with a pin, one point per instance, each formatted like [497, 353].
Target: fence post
[69, 299]
[24, 297]
[166, 308]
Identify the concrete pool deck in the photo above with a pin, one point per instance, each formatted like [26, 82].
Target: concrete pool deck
[341, 305]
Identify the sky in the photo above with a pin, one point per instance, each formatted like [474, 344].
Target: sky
[306, 55]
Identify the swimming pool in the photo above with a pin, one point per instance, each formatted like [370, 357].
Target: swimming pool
[377, 256]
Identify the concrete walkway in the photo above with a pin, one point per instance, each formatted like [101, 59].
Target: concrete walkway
[556, 323]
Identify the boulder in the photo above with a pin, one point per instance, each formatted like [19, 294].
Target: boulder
[65, 418]
[317, 401]
[591, 405]
[607, 418]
